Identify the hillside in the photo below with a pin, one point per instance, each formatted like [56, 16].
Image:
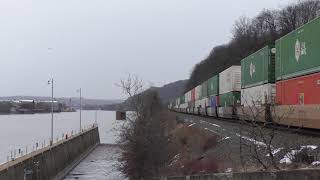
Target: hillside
[251, 34]
[166, 93]
[170, 91]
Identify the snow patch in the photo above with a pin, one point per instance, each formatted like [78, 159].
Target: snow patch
[175, 159]
[211, 130]
[316, 163]
[275, 151]
[225, 138]
[290, 155]
[252, 140]
[205, 122]
[191, 124]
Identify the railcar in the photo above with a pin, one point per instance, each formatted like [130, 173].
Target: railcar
[279, 83]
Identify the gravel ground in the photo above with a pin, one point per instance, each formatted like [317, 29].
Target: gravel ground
[99, 165]
[284, 145]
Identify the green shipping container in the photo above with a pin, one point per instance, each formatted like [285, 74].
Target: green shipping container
[298, 53]
[204, 90]
[258, 68]
[230, 99]
[213, 86]
[182, 99]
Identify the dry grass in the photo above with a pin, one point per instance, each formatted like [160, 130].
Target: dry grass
[191, 146]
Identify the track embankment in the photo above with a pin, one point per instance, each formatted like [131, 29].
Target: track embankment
[304, 174]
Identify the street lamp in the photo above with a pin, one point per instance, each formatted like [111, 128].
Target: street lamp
[51, 82]
[79, 91]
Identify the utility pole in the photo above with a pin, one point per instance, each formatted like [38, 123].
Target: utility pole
[51, 82]
[80, 108]
[96, 117]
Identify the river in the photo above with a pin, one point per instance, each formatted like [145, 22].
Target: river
[23, 131]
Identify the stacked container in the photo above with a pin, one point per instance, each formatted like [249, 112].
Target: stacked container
[297, 61]
[258, 85]
[230, 86]
[298, 75]
[183, 104]
[229, 91]
[258, 78]
[197, 99]
[204, 98]
[187, 96]
[213, 92]
[192, 103]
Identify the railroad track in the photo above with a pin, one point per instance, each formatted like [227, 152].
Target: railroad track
[294, 130]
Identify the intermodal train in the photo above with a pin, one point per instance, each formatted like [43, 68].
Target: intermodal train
[279, 83]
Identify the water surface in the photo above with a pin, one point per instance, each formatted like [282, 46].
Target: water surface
[19, 131]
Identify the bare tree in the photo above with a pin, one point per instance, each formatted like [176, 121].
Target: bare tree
[144, 146]
[250, 35]
[258, 141]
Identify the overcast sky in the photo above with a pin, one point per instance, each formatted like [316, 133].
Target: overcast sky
[94, 43]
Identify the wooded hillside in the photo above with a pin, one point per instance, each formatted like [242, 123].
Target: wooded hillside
[250, 35]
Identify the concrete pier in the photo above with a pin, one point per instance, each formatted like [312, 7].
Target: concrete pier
[52, 162]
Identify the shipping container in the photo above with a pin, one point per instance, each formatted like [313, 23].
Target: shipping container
[230, 80]
[193, 95]
[182, 99]
[204, 103]
[183, 106]
[197, 103]
[214, 101]
[187, 96]
[304, 116]
[258, 68]
[213, 86]
[258, 95]
[212, 107]
[299, 91]
[298, 52]
[204, 90]
[230, 99]
[227, 112]
[254, 113]
[177, 102]
[191, 106]
[198, 92]
[212, 111]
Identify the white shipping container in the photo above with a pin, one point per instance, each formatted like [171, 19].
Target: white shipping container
[177, 103]
[183, 106]
[258, 95]
[197, 103]
[188, 96]
[204, 102]
[230, 80]
[198, 92]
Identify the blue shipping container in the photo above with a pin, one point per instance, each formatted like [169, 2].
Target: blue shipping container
[213, 101]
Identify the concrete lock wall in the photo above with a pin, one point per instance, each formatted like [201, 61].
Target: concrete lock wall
[303, 174]
[51, 162]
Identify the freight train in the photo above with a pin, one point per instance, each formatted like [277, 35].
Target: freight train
[279, 83]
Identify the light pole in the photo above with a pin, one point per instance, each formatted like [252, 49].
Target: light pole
[79, 90]
[51, 82]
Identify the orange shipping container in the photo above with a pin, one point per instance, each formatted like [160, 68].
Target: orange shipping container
[299, 91]
[193, 95]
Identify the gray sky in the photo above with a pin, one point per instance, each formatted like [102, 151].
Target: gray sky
[93, 43]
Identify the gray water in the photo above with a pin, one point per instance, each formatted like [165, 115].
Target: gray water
[25, 130]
